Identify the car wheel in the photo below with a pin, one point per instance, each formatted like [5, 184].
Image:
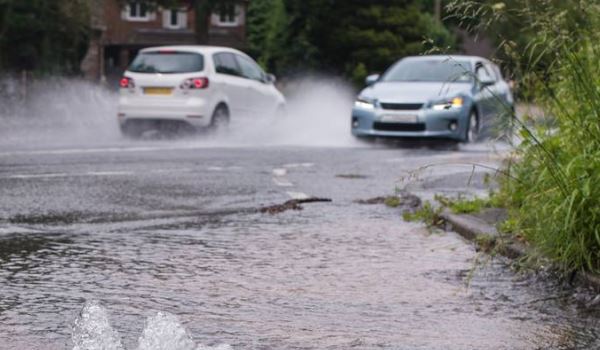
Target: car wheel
[472, 132]
[220, 118]
[365, 139]
[130, 130]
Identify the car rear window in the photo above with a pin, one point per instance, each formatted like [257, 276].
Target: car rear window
[167, 62]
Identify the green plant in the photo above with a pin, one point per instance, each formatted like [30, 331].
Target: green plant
[486, 243]
[392, 201]
[462, 205]
[428, 214]
[552, 189]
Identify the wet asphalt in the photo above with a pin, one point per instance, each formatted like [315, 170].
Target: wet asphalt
[165, 178]
[173, 225]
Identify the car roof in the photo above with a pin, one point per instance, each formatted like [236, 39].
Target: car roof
[471, 59]
[193, 48]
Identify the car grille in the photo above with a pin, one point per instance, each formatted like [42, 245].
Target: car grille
[402, 106]
[399, 126]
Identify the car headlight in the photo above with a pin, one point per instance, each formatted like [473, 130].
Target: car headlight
[456, 102]
[364, 103]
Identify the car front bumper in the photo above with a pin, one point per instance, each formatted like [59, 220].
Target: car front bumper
[450, 124]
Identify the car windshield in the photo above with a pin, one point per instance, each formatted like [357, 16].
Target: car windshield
[449, 70]
[167, 62]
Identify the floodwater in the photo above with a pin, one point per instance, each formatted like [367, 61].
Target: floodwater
[357, 278]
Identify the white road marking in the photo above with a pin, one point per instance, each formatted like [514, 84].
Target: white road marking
[92, 173]
[98, 150]
[58, 175]
[299, 165]
[170, 171]
[298, 195]
[279, 172]
[109, 173]
[34, 176]
[282, 182]
[230, 168]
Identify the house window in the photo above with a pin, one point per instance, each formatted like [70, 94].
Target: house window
[137, 12]
[227, 14]
[175, 19]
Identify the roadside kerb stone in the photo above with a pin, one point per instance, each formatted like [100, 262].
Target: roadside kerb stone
[471, 227]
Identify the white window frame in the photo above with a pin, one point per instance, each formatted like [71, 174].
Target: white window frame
[127, 13]
[237, 21]
[181, 19]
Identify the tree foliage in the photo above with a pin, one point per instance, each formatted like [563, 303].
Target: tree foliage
[267, 21]
[43, 36]
[349, 37]
[526, 35]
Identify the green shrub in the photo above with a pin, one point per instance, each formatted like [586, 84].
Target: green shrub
[553, 186]
[556, 200]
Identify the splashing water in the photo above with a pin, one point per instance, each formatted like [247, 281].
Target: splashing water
[163, 331]
[69, 112]
[317, 114]
[58, 111]
[92, 330]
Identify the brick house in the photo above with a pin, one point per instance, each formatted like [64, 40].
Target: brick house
[121, 31]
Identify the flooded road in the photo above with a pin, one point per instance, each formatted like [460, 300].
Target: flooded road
[149, 228]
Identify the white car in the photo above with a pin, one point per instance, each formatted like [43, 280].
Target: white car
[193, 87]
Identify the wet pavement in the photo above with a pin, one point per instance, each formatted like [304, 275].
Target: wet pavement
[172, 226]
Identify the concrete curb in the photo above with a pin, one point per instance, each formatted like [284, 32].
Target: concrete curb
[471, 227]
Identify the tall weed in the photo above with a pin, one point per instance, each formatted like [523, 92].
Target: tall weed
[553, 191]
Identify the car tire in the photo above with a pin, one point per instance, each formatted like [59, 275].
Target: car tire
[130, 130]
[220, 119]
[472, 130]
[365, 139]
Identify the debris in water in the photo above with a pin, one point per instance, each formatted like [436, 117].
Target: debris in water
[294, 204]
[407, 201]
[352, 176]
[371, 201]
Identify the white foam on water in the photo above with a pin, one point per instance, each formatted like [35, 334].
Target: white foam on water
[163, 331]
[218, 347]
[92, 330]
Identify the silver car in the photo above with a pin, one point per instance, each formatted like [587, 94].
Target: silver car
[451, 97]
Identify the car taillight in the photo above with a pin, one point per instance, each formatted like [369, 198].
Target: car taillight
[194, 83]
[127, 82]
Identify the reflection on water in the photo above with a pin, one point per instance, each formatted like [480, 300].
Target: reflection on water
[357, 278]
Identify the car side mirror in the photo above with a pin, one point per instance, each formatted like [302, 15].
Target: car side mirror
[270, 79]
[485, 82]
[371, 79]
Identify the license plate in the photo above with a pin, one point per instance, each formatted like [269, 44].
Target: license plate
[399, 118]
[158, 91]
